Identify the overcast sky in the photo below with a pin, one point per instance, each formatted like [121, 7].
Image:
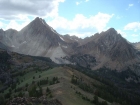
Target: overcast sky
[75, 17]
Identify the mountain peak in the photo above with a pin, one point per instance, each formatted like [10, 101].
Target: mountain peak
[37, 18]
[40, 21]
[111, 29]
[111, 32]
[1, 29]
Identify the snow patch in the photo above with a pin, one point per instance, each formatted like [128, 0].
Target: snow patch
[76, 40]
[53, 30]
[65, 46]
[24, 42]
[43, 22]
[62, 38]
[12, 46]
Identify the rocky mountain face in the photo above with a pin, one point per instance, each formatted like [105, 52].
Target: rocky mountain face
[109, 48]
[37, 39]
[84, 60]
[7, 39]
[137, 45]
[70, 39]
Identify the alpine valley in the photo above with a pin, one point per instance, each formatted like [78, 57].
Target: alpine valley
[38, 66]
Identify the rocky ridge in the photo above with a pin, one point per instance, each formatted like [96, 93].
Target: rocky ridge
[109, 48]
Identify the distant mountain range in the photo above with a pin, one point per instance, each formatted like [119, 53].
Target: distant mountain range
[104, 65]
[106, 49]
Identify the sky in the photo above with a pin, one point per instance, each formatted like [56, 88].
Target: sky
[82, 18]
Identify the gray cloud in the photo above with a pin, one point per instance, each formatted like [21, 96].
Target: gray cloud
[9, 9]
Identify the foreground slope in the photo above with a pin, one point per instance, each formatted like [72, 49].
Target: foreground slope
[20, 74]
[40, 81]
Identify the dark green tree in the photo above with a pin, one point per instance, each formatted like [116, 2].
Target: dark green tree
[40, 91]
[20, 94]
[33, 92]
[104, 103]
[96, 101]
[2, 100]
[39, 76]
[26, 85]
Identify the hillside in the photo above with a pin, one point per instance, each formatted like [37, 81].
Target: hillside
[24, 75]
[37, 80]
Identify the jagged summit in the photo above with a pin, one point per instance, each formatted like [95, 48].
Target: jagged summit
[37, 18]
[111, 49]
[40, 21]
[110, 33]
[1, 29]
[39, 27]
[115, 46]
[38, 24]
[112, 30]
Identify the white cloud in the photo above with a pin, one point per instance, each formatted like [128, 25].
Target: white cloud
[10, 9]
[135, 35]
[132, 26]
[1, 24]
[13, 24]
[81, 35]
[77, 3]
[18, 14]
[129, 35]
[16, 25]
[134, 40]
[122, 33]
[130, 5]
[86, 0]
[81, 24]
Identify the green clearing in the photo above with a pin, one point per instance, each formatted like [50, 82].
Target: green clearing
[64, 91]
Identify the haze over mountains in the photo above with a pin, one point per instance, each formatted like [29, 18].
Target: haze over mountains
[107, 49]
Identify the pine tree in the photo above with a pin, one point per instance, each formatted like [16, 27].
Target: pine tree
[96, 101]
